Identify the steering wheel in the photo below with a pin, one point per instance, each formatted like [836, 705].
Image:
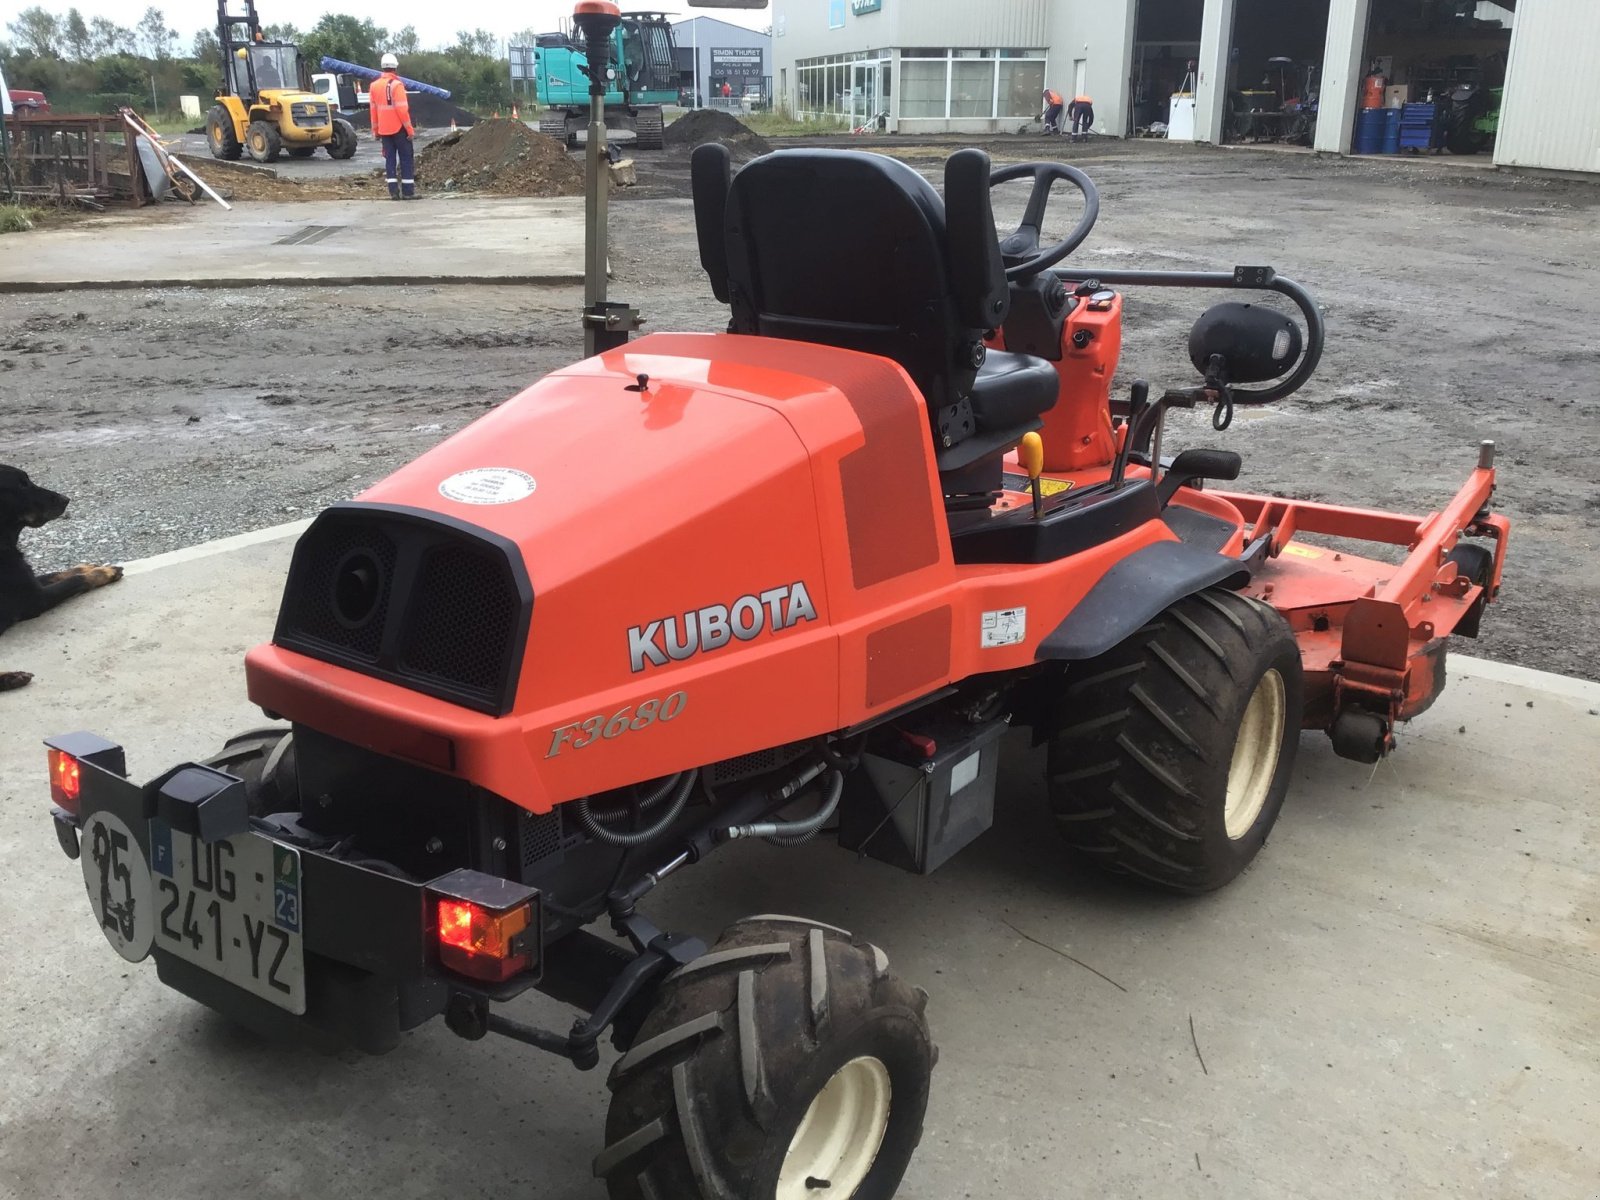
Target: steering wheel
[1020, 249]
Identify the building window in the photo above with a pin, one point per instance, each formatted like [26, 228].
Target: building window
[965, 83]
[1021, 87]
[924, 87]
[972, 88]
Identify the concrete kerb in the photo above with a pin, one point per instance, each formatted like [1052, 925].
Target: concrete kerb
[121, 285]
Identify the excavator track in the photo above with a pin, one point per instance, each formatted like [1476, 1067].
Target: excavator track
[649, 128]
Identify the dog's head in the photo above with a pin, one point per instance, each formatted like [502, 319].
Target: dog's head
[25, 503]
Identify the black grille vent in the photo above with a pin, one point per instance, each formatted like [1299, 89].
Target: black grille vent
[311, 608]
[461, 617]
[540, 836]
[746, 766]
[422, 600]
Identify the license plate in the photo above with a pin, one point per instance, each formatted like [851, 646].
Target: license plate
[232, 908]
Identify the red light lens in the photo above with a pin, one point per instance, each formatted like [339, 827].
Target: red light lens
[479, 942]
[66, 784]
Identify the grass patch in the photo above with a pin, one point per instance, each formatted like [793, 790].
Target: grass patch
[14, 219]
[778, 124]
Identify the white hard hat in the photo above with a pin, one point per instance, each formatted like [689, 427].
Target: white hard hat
[389, 62]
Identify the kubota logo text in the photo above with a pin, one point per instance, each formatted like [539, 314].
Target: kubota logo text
[712, 627]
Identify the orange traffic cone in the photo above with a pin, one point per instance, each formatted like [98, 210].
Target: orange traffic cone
[453, 125]
[497, 114]
[515, 115]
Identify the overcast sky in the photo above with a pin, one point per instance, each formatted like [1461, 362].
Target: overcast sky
[436, 23]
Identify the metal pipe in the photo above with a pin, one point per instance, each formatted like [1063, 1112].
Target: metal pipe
[1240, 279]
[339, 67]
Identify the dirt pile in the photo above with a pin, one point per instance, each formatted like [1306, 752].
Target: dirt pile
[502, 158]
[704, 125]
[243, 182]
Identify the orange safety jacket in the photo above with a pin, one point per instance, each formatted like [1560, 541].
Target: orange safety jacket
[390, 110]
[1053, 98]
[1083, 100]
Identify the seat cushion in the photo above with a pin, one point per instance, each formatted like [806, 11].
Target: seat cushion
[1011, 391]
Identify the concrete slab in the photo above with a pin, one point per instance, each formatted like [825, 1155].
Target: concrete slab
[438, 239]
[1399, 999]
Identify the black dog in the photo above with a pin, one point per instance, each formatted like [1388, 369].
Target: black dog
[25, 505]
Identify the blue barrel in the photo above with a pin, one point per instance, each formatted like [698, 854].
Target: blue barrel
[1391, 131]
[1370, 126]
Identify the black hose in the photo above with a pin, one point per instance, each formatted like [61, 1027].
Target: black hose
[795, 833]
[613, 837]
[611, 815]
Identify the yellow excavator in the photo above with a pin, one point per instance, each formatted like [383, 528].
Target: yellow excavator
[265, 106]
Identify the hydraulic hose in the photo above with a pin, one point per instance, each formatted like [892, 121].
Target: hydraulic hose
[613, 837]
[794, 833]
[611, 815]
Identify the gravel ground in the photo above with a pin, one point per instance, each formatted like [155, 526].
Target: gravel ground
[1460, 305]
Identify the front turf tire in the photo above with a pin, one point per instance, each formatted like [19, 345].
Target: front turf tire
[1174, 749]
[788, 1056]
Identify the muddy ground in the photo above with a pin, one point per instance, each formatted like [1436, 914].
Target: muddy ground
[1460, 305]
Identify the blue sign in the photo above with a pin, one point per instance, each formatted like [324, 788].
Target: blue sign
[865, 6]
[835, 14]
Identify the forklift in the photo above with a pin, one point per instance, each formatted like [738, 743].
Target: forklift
[266, 105]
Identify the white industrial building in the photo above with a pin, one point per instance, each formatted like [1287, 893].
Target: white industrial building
[980, 66]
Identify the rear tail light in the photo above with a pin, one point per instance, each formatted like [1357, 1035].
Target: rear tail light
[74, 755]
[487, 928]
[66, 781]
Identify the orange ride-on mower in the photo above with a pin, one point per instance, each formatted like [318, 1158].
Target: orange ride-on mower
[890, 513]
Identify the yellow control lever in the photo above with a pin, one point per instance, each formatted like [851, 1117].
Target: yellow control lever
[1030, 451]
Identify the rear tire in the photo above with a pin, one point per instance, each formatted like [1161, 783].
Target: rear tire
[264, 759]
[220, 137]
[1175, 748]
[790, 1053]
[262, 141]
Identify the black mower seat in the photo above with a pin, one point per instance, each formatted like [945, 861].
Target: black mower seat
[1012, 390]
[859, 251]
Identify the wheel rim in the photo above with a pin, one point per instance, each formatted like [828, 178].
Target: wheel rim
[1255, 755]
[840, 1135]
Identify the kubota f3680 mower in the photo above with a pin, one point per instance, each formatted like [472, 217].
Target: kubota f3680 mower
[891, 513]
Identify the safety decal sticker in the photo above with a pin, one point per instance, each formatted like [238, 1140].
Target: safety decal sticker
[1004, 627]
[1047, 486]
[488, 485]
[1302, 551]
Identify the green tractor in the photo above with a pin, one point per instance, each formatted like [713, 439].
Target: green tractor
[645, 78]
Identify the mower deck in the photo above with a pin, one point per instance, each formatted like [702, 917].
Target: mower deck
[1371, 632]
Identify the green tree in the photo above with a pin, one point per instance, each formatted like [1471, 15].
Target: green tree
[153, 37]
[406, 41]
[205, 48]
[38, 32]
[75, 36]
[107, 37]
[476, 43]
[285, 32]
[122, 73]
[340, 35]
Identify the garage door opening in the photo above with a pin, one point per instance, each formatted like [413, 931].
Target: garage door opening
[1436, 71]
[1274, 71]
[1166, 43]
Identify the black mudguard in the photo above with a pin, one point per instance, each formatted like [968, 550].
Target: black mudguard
[1134, 591]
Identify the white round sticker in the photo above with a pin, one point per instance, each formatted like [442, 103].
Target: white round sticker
[488, 485]
[118, 880]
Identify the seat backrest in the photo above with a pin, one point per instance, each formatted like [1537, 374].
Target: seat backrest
[858, 250]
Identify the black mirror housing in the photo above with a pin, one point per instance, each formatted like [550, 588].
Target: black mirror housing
[1256, 343]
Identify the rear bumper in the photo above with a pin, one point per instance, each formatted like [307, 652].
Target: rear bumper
[369, 969]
